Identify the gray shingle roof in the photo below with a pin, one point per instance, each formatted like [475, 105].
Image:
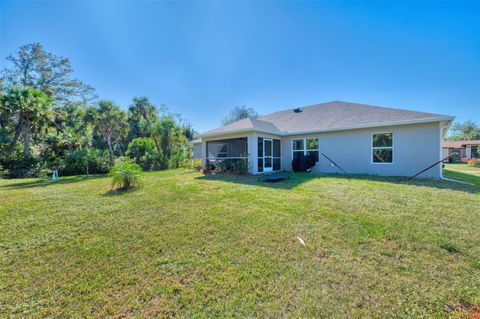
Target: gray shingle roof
[328, 116]
[244, 125]
[459, 144]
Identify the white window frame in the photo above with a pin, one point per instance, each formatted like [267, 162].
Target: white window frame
[305, 146]
[372, 148]
[270, 169]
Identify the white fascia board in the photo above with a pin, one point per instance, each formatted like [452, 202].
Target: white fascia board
[206, 134]
[447, 125]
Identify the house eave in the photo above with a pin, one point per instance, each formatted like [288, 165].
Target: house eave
[448, 119]
[356, 127]
[246, 130]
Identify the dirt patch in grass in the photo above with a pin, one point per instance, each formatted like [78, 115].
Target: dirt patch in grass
[475, 314]
[466, 310]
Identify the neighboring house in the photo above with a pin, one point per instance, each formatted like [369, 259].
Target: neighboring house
[464, 149]
[362, 139]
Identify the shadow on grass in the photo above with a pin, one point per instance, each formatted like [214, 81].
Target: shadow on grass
[120, 191]
[464, 177]
[44, 182]
[292, 180]
[295, 179]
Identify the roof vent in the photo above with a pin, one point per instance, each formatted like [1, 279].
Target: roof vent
[297, 110]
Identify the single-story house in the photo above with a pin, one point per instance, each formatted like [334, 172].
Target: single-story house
[362, 139]
[464, 149]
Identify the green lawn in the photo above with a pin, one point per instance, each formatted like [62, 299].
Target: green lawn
[463, 173]
[188, 245]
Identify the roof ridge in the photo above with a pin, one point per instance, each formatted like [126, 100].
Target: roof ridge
[333, 115]
[358, 104]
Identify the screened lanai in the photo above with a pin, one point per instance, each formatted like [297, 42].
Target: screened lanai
[228, 155]
[233, 148]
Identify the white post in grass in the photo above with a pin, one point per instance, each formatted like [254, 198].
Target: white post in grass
[54, 175]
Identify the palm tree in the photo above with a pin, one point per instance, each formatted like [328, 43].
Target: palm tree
[167, 135]
[31, 110]
[141, 115]
[73, 140]
[109, 121]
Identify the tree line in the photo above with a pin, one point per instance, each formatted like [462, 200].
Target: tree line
[50, 120]
[468, 130]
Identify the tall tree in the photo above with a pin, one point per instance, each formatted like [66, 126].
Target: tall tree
[239, 113]
[30, 109]
[72, 127]
[110, 122]
[169, 139]
[468, 130]
[188, 131]
[141, 115]
[36, 68]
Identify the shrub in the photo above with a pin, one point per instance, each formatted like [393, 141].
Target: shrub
[473, 162]
[15, 166]
[30, 168]
[239, 166]
[75, 162]
[85, 162]
[125, 175]
[144, 152]
[26, 172]
[99, 162]
[197, 164]
[454, 158]
[180, 156]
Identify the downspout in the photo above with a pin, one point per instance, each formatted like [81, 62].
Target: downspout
[440, 148]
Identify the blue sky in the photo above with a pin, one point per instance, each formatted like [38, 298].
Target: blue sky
[203, 58]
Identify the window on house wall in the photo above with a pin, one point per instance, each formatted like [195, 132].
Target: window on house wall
[298, 148]
[306, 147]
[474, 151]
[382, 148]
[311, 147]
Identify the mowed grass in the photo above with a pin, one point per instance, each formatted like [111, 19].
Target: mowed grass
[463, 172]
[189, 245]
